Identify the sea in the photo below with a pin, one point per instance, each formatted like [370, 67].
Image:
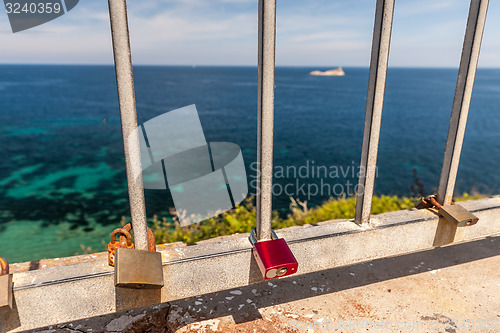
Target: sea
[62, 174]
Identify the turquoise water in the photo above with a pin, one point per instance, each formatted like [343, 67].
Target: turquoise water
[62, 177]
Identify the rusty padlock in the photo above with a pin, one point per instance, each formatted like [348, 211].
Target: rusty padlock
[454, 213]
[139, 269]
[151, 237]
[458, 215]
[5, 284]
[125, 241]
[423, 203]
[274, 257]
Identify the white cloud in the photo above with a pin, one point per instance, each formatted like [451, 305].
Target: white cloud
[427, 33]
[413, 8]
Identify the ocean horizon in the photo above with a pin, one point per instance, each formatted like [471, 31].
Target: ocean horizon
[319, 67]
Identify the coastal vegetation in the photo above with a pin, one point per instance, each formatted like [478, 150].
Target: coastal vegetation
[242, 219]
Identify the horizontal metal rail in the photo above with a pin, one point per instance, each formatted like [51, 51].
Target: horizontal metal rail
[374, 104]
[61, 294]
[461, 102]
[265, 116]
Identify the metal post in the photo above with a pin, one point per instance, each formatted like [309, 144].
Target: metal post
[126, 96]
[374, 104]
[461, 102]
[265, 117]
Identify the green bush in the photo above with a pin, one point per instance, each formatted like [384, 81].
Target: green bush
[239, 220]
[242, 218]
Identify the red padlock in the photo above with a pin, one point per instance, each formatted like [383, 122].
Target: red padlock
[273, 256]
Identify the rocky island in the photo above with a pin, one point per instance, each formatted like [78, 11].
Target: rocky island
[332, 72]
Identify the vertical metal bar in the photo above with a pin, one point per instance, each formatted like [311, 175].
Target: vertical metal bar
[461, 102]
[126, 96]
[374, 104]
[265, 117]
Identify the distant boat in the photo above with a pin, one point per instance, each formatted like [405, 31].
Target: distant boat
[332, 72]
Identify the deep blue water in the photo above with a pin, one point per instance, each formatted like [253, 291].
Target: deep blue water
[62, 177]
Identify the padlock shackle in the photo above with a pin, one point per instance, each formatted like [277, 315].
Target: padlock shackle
[433, 201]
[253, 238]
[4, 266]
[123, 232]
[151, 237]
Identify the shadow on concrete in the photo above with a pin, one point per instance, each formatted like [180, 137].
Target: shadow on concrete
[11, 316]
[216, 305]
[127, 299]
[172, 316]
[34, 265]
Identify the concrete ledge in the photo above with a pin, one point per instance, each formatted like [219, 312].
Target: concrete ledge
[67, 293]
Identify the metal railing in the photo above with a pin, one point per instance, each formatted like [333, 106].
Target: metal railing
[375, 99]
[265, 116]
[374, 103]
[266, 71]
[461, 101]
[85, 290]
[128, 113]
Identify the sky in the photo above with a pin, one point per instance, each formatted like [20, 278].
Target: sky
[314, 33]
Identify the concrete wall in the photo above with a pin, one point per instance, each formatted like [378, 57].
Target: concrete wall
[68, 293]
